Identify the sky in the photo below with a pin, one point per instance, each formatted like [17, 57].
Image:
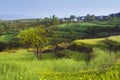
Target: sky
[20, 9]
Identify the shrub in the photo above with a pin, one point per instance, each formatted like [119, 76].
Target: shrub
[80, 48]
[2, 46]
[103, 34]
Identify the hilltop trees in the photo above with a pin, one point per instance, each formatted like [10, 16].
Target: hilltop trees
[90, 18]
[36, 38]
[55, 20]
[72, 16]
[47, 22]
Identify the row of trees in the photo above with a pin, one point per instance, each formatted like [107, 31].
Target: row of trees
[89, 18]
[17, 25]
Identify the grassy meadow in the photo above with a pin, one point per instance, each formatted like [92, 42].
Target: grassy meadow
[22, 64]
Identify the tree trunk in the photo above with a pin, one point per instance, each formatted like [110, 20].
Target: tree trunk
[37, 52]
[40, 52]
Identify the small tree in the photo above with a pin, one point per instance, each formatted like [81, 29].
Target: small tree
[35, 37]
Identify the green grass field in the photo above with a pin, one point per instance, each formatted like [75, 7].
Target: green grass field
[23, 65]
[88, 41]
[114, 39]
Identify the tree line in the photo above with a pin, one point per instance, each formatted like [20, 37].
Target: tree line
[17, 25]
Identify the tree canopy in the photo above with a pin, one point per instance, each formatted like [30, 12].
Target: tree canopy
[36, 38]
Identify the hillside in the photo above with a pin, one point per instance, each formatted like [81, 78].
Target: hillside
[76, 65]
[78, 50]
[66, 32]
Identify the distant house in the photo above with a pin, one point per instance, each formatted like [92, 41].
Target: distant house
[68, 19]
[74, 20]
[63, 19]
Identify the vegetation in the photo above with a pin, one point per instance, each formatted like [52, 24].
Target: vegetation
[80, 48]
[13, 66]
[88, 41]
[7, 38]
[36, 37]
[114, 39]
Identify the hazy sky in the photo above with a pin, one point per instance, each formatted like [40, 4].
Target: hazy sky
[16, 9]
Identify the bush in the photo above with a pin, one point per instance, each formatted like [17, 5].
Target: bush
[80, 48]
[2, 46]
[103, 34]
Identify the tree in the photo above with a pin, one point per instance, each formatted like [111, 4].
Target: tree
[92, 17]
[1, 30]
[34, 37]
[87, 17]
[55, 20]
[47, 22]
[72, 16]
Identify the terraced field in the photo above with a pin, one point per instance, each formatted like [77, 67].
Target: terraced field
[6, 38]
[23, 65]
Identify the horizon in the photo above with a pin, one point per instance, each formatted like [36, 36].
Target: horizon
[15, 17]
[25, 9]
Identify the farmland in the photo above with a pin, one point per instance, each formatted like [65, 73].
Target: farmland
[23, 65]
[49, 49]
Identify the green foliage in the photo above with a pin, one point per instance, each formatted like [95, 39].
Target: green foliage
[90, 18]
[23, 65]
[26, 36]
[7, 38]
[36, 37]
[40, 37]
[55, 20]
[103, 34]
[72, 16]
